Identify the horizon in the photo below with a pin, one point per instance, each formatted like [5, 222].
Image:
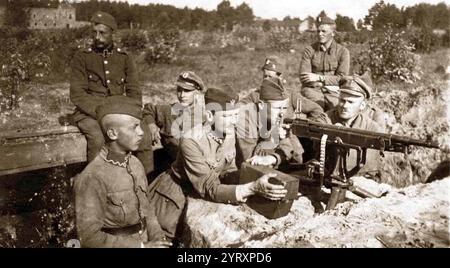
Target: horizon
[270, 9]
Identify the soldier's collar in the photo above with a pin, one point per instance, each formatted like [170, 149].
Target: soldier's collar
[117, 159]
[213, 135]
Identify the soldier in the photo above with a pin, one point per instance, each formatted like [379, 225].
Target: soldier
[205, 155]
[111, 204]
[298, 105]
[350, 112]
[98, 72]
[261, 138]
[165, 119]
[322, 65]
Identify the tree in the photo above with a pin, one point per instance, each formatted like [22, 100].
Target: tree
[344, 24]
[266, 26]
[382, 14]
[16, 13]
[360, 24]
[244, 14]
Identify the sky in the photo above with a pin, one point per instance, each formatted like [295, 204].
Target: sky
[279, 9]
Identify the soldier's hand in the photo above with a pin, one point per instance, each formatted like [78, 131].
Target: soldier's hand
[154, 132]
[158, 244]
[309, 78]
[263, 187]
[258, 160]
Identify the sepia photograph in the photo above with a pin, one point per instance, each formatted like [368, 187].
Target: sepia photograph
[224, 124]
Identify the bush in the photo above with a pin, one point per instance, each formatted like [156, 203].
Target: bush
[282, 41]
[162, 46]
[134, 40]
[390, 56]
[424, 40]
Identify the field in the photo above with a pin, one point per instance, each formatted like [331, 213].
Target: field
[417, 110]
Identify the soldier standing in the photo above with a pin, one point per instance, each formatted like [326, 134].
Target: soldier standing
[322, 65]
[98, 72]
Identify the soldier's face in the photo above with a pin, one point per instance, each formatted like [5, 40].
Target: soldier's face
[269, 73]
[102, 36]
[225, 121]
[350, 106]
[128, 133]
[186, 97]
[325, 32]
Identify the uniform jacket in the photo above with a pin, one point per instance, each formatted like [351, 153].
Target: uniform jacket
[363, 122]
[251, 140]
[170, 118]
[108, 196]
[202, 160]
[94, 77]
[332, 63]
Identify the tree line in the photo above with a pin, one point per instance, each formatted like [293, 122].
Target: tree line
[226, 16]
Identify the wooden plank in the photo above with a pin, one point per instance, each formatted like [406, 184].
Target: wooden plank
[25, 151]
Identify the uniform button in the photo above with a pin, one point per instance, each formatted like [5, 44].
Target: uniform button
[105, 62]
[106, 72]
[107, 81]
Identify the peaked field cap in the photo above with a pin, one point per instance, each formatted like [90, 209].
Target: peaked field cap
[104, 18]
[119, 105]
[272, 89]
[190, 81]
[225, 97]
[325, 20]
[357, 85]
[273, 63]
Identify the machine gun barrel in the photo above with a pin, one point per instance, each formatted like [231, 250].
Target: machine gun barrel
[355, 137]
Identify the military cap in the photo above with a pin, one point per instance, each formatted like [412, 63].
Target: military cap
[225, 97]
[273, 63]
[104, 18]
[325, 20]
[356, 85]
[190, 81]
[119, 104]
[272, 89]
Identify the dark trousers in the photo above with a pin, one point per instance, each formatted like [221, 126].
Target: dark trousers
[94, 136]
[327, 100]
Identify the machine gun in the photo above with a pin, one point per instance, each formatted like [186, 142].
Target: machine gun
[341, 140]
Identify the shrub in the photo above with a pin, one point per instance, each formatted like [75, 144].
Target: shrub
[162, 46]
[282, 41]
[390, 56]
[424, 40]
[134, 40]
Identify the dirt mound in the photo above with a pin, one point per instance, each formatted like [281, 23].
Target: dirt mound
[415, 216]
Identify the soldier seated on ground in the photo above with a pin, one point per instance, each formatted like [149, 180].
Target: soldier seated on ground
[167, 121]
[350, 112]
[322, 65]
[98, 72]
[111, 204]
[261, 136]
[206, 154]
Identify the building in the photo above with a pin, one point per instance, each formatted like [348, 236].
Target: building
[54, 18]
[307, 25]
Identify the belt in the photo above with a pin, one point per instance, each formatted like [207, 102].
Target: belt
[139, 227]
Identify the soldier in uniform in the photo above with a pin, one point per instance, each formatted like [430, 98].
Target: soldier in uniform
[205, 155]
[167, 122]
[298, 105]
[111, 204]
[322, 65]
[261, 137]
[98, 72]
[350, 112]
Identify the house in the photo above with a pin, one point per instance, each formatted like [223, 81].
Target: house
[307, 25]
[54, 18]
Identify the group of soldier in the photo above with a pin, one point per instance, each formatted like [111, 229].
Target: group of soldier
[205, 136]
